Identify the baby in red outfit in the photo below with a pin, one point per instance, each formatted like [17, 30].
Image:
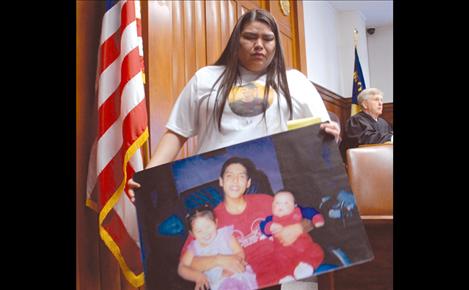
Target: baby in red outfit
[300, 259]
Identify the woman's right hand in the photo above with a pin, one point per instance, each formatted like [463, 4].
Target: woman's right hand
[131, 186]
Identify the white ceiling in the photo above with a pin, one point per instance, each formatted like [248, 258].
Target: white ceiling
[376, 13]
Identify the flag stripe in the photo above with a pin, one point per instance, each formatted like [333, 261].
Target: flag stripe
[133, 94]
[128, 15]
[108, 145]
[108, 177]
[109, 79]
[110, 48]
[132, 126]
[111, 22]
[110, 110]
[110, 51]
[111, 141]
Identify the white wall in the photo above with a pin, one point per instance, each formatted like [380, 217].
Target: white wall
[321, 44]
[347, 22]
[380, 56]
[330, 49]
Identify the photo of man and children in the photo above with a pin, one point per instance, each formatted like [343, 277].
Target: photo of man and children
[249, 216]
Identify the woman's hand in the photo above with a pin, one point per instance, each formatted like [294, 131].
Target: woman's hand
[131, 186]
[332, 128]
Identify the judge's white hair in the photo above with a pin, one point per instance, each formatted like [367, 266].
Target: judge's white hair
[365, 94]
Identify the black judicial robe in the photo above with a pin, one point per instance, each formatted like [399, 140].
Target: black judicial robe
[361, 129]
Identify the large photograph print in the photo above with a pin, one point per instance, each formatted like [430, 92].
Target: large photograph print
[249, 216]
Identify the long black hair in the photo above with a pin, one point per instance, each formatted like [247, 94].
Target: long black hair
[276, 77]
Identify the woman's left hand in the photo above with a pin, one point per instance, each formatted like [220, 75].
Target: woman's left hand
[332, 128]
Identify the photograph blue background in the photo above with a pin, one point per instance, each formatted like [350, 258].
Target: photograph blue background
[197, 170]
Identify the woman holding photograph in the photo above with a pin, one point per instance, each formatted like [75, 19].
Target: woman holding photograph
[207, 106]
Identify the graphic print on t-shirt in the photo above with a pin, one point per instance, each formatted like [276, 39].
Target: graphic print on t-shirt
[248, 239]
[248, 100]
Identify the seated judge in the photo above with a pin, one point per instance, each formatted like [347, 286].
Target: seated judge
[366, 127]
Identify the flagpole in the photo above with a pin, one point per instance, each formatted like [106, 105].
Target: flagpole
[355, 37]
[357, 77]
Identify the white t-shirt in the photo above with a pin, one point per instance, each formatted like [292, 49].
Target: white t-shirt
[242, 118]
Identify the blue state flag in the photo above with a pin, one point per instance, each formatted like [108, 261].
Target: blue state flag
[358, 84]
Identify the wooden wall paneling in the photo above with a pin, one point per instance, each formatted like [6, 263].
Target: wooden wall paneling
[283, 21]
[214, 29]
[88, 23]
[221, 17]
[228, 18]
[178, 55]
[159, 70]
[200, 32]
[144, 14]
[287, 46]
[195, 51]
[285, 31]
[178, 48]
[244, 6]
[388, 113]
[299, 31]
[292, 33]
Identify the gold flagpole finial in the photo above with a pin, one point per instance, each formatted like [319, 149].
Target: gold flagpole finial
[355, 36]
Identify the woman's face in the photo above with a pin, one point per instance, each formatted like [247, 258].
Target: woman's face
[256, 46]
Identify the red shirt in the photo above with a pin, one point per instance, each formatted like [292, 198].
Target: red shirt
[258, 248]
[246, 226]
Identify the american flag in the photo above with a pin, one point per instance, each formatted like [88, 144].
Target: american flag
[122, 130]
